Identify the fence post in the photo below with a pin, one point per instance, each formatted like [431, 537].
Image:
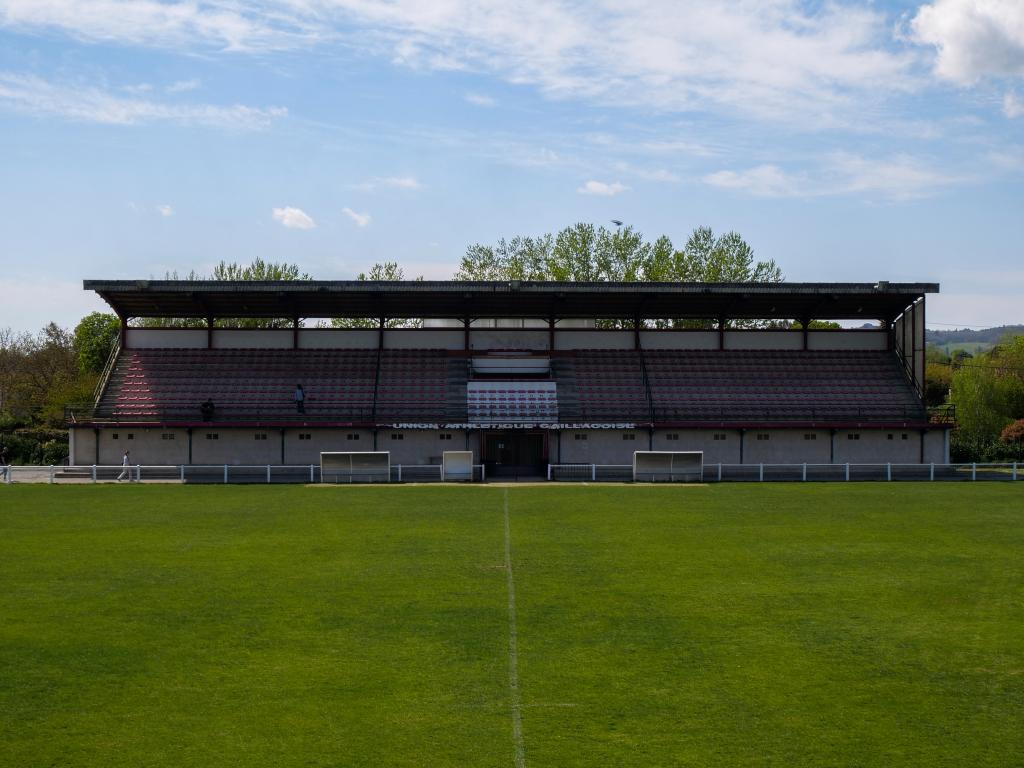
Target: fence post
[847, 471]
[311, 473]
[51, 474]
[268, 474]
[760, 474]
[138, 473]
[931, 472]
[888, 471]
[549, 472]
[719, 471]
[593, 472]
[225, 474]
[805, 472]
[7, 474]
[974, 471]
[1015, 471]
[399, 473]
[94, 473]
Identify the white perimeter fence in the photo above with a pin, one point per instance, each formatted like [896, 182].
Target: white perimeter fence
[408, 473]
[217, 473]
[727, 473]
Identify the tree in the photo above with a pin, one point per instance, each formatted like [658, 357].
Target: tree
[94, 338]
[586, 253]
[258, 270]
[387, 271]
[938, 378]
[1014, 434]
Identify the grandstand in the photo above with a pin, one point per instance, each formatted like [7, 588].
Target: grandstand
[520, 374]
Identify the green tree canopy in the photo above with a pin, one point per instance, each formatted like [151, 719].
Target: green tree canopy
[388, 270]
[587, 253]
[94, 338]
[256, 271]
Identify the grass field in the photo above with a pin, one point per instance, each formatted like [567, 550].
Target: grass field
[734, 625]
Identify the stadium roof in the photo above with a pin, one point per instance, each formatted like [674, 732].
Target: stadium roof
[506, 299]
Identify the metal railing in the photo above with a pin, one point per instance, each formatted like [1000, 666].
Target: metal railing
[217, 474]
[189, 411]
[421, 473]
[724, 473]
[108, 368]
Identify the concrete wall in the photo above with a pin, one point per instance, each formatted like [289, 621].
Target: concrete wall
[507, 339]
[233, 338]
[146, 446]
[764, 340]
[875, 447]
[515, 338]
[786, 446]
[338, 338]
[165, 338]
[679, 339]
[594, 340]
[423, 446]
[410, 338]
[236, 446]
[877, 340]
[726, 451]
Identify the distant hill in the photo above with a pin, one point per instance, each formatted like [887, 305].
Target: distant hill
[969, 340]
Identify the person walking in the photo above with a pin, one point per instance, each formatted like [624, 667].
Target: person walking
[126, 469]
[300, 399]
[4, 469]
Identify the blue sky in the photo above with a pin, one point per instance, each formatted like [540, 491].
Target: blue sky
[849, 141]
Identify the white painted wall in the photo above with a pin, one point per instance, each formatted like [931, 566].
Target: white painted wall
[874, 447]
[679, 339]
[236, 338]
[165, 338]
[337, 338]
[764, 340]
[414, 338]
[876, 340]
[507, 339]
[594, 340]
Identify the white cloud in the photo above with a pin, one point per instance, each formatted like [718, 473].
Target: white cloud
[1012, 105]
[393, 182]
[781, 58]
[87, 103]
[182, 86]
[480, 100]
[165, 210]
[293, 218]
[211, 24]
[898, 177]
[975, 39]
[601, 188]
[360, 219]
[762, 181]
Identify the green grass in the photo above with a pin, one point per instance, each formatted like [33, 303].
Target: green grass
[735, 625]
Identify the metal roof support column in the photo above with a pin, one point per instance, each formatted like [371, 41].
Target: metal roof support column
[721, 337]
[295, 333]
[551, 334]
[123, 329]
[209, 331]
[465, 333]
[804, 324]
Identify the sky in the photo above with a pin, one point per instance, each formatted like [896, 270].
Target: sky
[848, 141]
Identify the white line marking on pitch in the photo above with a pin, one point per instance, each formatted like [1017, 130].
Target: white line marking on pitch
[519, 755]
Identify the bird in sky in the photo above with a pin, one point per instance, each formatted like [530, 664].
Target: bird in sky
[616, 222]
